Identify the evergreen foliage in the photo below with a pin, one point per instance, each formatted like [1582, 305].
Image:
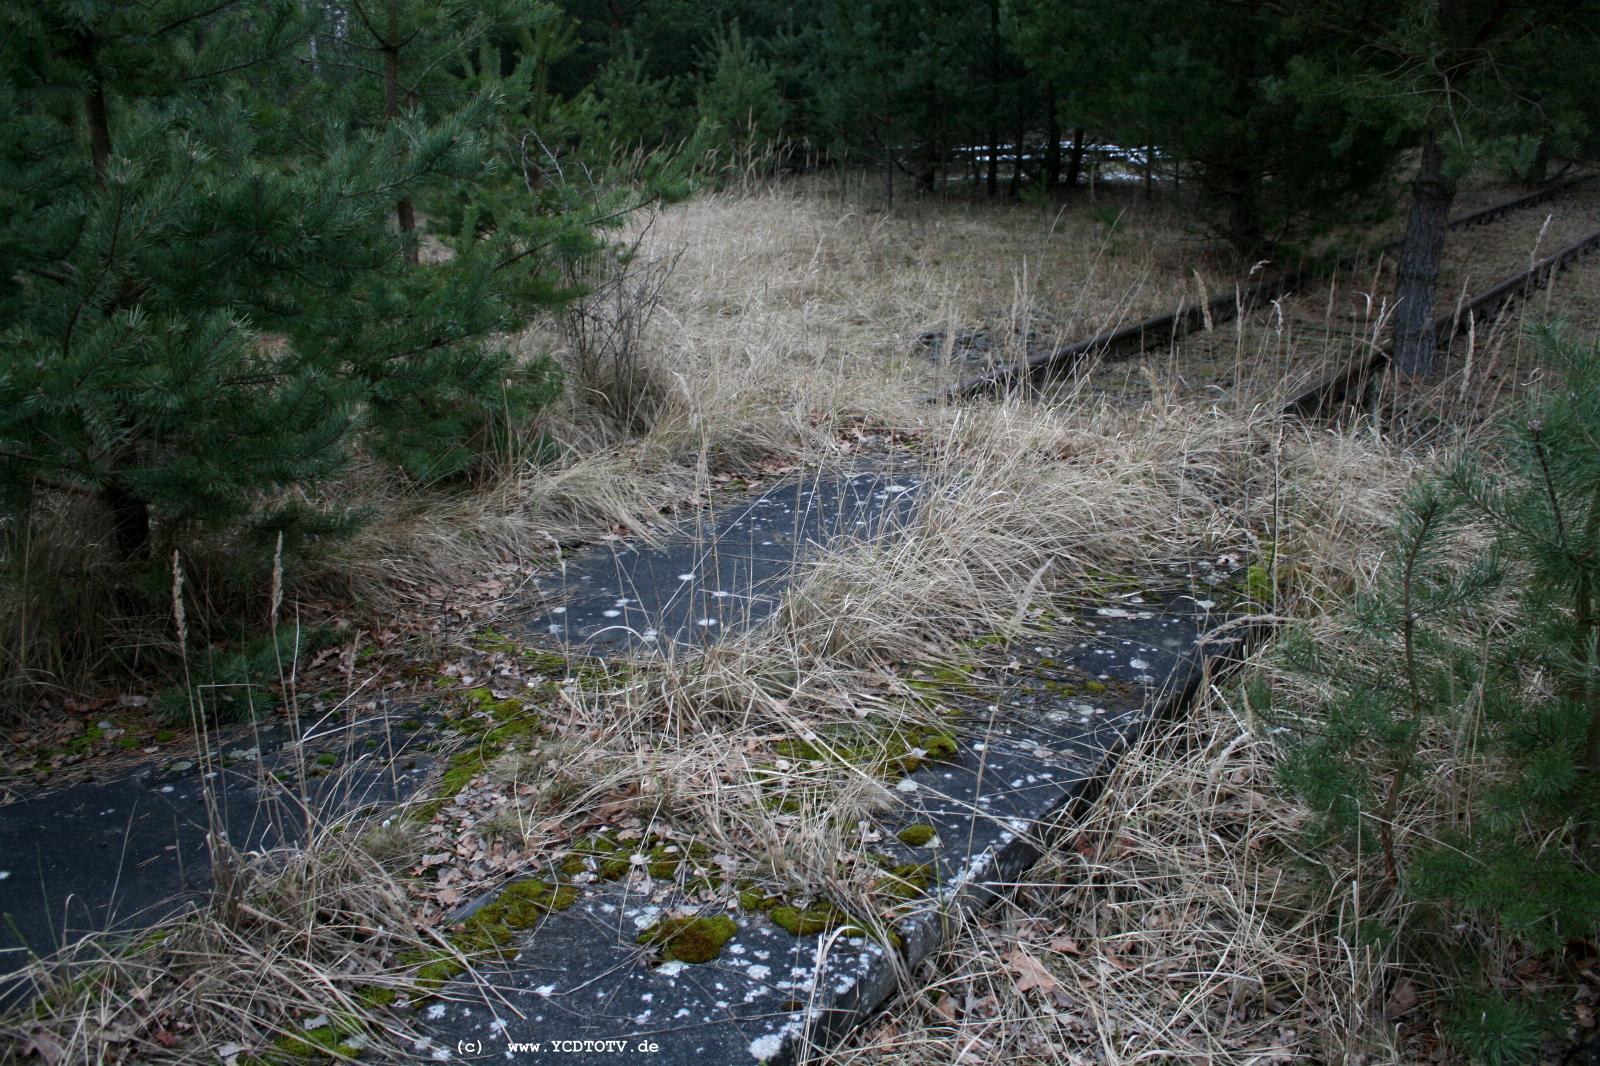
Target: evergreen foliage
[1223, 90]
[208, 289]
[244, 243]
[1479, 642]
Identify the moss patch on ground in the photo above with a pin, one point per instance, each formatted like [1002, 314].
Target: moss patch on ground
[502, 724]
[612, 859]
[493, 929]
[883, 751]
[699, 939]
[819, 917]
[904, 882]
[917, 836]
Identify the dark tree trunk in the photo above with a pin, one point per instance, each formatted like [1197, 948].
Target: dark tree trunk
[994, 163]
[1075, 163]
[1052, 151]
[1415, 341]
[1016, 163]
[130, 521]
[994, 97]
[404, 213]
[1149, 167]
[94, 110]
[1539, 167]
[1244, 219]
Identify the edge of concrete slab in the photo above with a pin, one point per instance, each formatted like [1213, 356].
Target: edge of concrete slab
[837, 981]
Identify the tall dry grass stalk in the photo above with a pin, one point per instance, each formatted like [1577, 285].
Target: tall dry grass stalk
[1172, 922]
[777, 326]
[302, 941]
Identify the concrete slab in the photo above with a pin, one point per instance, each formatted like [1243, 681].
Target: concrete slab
[121, 853]
[1034, 747]
[723, 571]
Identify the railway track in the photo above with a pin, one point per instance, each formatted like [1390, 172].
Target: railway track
[1164, 330]
[1348, 385]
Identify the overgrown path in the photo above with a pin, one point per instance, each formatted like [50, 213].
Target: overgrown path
[661, 949]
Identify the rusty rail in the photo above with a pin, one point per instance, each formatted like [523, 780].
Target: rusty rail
[1336, 390]
[1164, 329]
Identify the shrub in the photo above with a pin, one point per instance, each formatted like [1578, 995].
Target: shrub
[1466, 704]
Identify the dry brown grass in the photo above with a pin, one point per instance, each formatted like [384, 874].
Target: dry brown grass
[766, 325]
[295, 942]
[1173, 922]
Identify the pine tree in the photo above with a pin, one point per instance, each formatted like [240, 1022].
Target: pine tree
[1449, 74]
[1216, 86]
[738, 100]
[1499, 655]
[207, 288]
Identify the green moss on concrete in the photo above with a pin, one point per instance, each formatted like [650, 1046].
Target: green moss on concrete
[313, 1045]
[819, 917]
[944, 679]
[491, 640]
[754, 900]
[91, 736]
[547, 663]
[882, 751]
[917, 836]
[378, 996]
[493, 928]
[906, 881]
[432, 975]
[326, 758]
[690, 939]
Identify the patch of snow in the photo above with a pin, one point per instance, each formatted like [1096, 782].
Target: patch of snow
[763, 1048]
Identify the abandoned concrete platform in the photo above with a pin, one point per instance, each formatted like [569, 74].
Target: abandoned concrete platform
[1033, 748]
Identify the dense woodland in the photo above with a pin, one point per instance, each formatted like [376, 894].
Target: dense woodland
[255, 251]
[212, 216]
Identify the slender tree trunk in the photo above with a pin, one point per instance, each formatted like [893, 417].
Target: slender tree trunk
[1415, 341]
[405, 214]
[1075, 163]
[1244, 217]
[1052, 151]
[1539, 166]
[1016, 162]
[994, 97]
[994, 162]
[94, 110]
[130, 520]
[1149, 167]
